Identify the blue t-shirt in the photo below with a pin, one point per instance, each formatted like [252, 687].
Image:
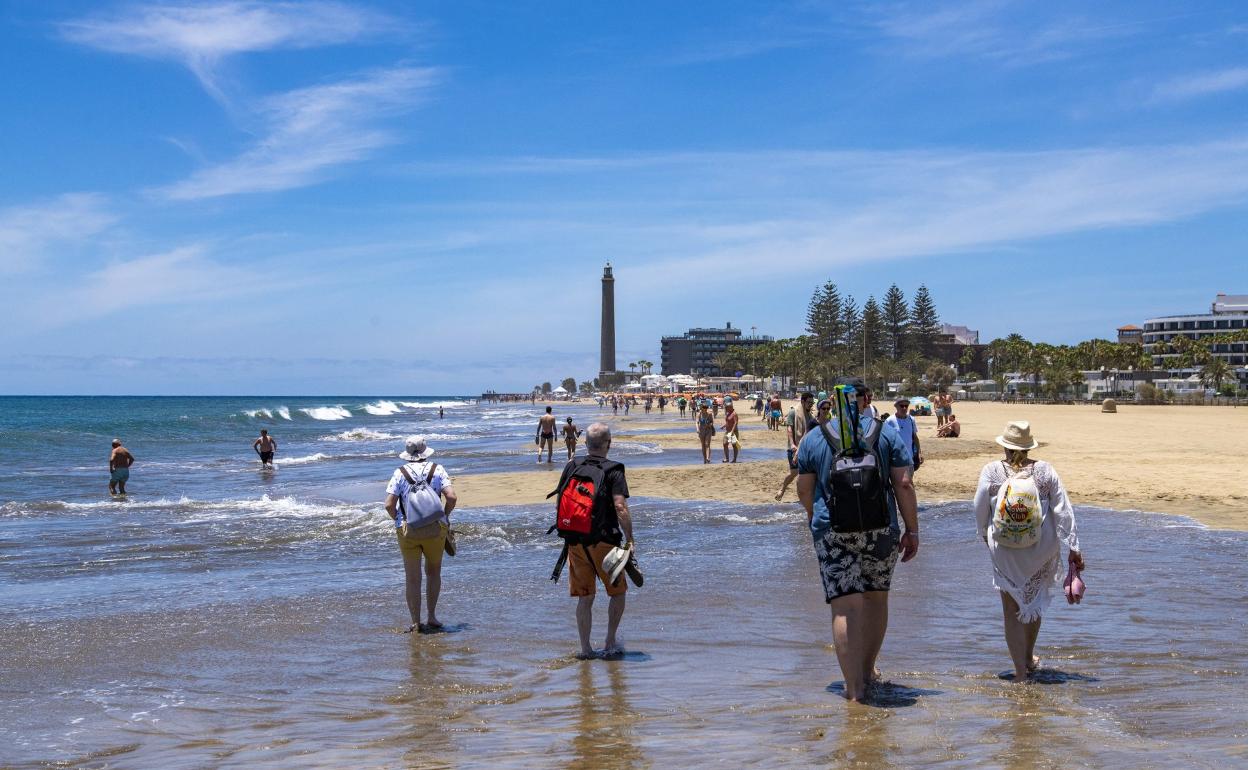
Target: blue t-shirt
[815, 456]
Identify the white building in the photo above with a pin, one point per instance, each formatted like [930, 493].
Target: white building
[1228, 313]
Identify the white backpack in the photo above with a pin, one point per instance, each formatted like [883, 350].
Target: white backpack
[1016, 511]
[421, 505]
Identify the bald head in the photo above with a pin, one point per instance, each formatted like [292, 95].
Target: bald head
[598, 438]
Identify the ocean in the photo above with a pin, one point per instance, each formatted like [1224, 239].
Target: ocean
[225, 616]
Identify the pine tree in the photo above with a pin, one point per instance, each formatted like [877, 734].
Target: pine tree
[873, 329]
[851, 335]
[924, 323]
[896, 323]
[824, 316]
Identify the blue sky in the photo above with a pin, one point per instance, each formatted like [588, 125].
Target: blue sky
[342, 198]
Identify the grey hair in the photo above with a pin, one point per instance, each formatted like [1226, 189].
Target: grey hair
[597, 437]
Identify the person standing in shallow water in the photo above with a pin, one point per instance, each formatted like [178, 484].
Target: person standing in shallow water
[731, 439]
[706, 430]
[570, 434]
[546, 436]
[265, 446]
[857, 567]
[1024, 516]
[119, 462]
[585, 561]
[428, 541]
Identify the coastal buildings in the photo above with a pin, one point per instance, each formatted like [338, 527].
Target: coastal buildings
[695, 351]
[1130, 335]
[1228, 314]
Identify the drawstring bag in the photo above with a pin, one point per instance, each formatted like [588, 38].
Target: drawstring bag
[1017, 514]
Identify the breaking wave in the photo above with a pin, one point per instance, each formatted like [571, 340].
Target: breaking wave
[360, 434]
[382, 408]
[326, 413]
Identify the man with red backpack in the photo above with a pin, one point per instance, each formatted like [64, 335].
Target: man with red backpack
[594, 521]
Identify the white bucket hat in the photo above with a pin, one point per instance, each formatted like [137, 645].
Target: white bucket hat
[1017, 435]
[416, 449]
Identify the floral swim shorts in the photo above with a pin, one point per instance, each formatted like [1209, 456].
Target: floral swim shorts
[856, 562]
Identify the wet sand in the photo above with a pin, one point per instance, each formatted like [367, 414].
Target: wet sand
[1185, 460]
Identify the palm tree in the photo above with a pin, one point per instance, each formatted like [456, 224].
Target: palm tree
[1213, 373]
[727, 360]
[632, 365]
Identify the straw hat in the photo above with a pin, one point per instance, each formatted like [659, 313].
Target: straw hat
[1017, 435]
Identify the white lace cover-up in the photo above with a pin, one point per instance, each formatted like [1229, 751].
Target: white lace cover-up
[1030, 575]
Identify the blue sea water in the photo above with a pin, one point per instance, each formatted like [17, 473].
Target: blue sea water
[226, 616]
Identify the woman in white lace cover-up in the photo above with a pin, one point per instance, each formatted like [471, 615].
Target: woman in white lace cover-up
[1026, 576]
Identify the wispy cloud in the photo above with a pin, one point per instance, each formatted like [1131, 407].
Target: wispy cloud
[1006, 31]
[311, 130]
[1201, 84]
[183, 275]
[28, 232]
[202, 35]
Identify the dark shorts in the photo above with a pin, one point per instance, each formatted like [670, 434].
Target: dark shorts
[856, 562]
[266, 457]
[792, 459]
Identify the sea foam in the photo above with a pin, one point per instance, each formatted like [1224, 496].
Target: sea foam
[326, 413]
[382, 408]
[360, 434]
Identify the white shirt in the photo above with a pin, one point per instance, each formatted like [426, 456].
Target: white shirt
[906, 427]
[398, 485]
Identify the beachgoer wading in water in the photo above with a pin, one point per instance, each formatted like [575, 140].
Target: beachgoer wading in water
[414, 499]
[119, 462]
[265, 446]
[1024, 516]
[857, 566]
[731, 438]
[546, 436]
[570, 434]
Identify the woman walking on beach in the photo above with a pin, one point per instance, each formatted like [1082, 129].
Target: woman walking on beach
[1024, 516]
[706, 430]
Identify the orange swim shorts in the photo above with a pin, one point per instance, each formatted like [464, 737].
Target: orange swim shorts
[581, 574]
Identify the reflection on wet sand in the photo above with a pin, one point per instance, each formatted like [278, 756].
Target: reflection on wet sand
[424, 704]
[605, 738]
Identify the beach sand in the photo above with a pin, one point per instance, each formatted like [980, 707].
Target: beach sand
[1186, 460]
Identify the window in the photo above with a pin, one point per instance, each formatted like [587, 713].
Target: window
[1189, 324]
[1206, 324]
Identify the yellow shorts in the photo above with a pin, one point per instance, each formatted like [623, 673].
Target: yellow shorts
[582, 574]
[424, 540]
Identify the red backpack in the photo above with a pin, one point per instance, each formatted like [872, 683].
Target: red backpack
[583, 513]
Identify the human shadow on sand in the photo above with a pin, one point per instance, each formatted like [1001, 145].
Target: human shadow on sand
[1050, 676]
[888, 694]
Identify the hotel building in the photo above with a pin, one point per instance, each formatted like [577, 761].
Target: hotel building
[1228, 313]
[694, 351]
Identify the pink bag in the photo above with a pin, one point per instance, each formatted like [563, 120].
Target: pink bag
[1074, 585]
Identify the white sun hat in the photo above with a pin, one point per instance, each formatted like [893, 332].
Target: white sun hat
[415, 449]
[1017, 435]
[614, 562]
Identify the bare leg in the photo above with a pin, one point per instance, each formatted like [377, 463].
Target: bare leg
[411, 569]
[585, 623]
[615, 612]
[785, 485]
[1020, 637]
[433, 587]
[849, 638]
[875, 624]
[736, 452]
[725, 451]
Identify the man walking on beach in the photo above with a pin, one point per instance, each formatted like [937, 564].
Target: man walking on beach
[119, 463]
[857, 566]
[731, 439]
[265, 446]
[903, 421]
[613, 527]
[799, 421]
[546, 436]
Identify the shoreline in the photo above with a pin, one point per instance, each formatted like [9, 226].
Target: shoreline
[1175, 460]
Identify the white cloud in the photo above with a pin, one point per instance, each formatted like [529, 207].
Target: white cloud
[309, 131]
[201, 35]
[183, 275]
[29, 232]
[1011, 32]
[1201, 84]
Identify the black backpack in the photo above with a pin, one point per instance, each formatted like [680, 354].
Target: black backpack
[855, 489]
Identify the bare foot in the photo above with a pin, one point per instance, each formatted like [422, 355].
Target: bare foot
[1033, 665]
[586, 655]
[779, 496]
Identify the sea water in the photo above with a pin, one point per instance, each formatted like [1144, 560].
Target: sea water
[226, 616]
